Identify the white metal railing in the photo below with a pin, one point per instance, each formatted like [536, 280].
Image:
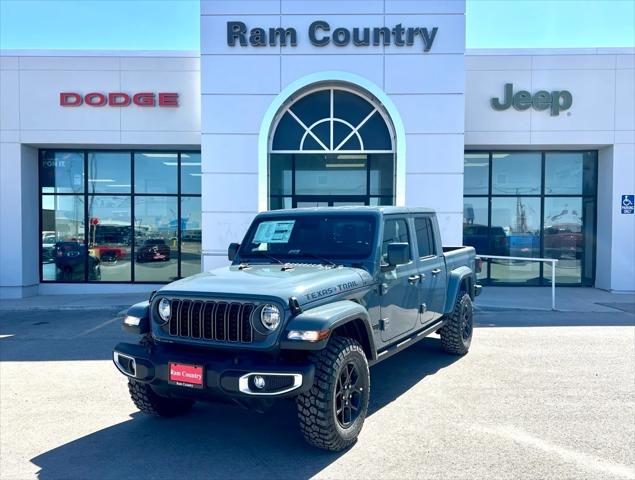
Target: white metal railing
[553, 262]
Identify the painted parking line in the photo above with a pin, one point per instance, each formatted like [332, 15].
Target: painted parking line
[101, 325]
[581, 459]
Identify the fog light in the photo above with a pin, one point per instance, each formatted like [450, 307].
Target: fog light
[259, 382]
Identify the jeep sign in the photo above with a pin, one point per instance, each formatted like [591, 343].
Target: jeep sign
[556, 100]
[119, 99]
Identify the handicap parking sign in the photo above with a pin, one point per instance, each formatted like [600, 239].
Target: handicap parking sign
[627, 204]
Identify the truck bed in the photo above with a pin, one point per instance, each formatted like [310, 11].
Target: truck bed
[459, 256]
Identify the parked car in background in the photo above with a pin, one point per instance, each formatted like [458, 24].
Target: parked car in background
[108, 254]
[153, 250]
[485, 240]
[48, 246]
[563, 241]
[69, 259]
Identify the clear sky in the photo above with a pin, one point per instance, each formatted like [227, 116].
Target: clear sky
[174, 24]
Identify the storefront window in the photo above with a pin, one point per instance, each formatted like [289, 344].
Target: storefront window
[281, 174]
[155, 226]
[330, 174]
[63, 245]
[476, 174]
[564, 238]
[569, 173]
[331, 147]
[110, 236]
[191, 236]
[515, 231]
[476, 232]
[62, 172]
[106, 228]
[155, 172]
[541, 205]
[191, 173]
[109, 172]
[516, 173]
[381, 175]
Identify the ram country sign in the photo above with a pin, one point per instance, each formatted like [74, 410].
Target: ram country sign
[555, 101]
[321, 34]
[119, 99]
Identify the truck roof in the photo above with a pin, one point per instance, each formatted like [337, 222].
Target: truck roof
[383, 210]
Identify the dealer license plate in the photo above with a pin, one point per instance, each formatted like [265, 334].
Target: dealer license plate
[186, 375]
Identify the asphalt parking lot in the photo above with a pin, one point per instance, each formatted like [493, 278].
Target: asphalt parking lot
[540, 395]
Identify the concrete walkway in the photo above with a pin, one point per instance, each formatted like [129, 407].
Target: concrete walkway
[568, 299]
[73, 302]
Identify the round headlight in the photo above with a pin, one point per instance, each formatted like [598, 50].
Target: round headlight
[270, 317]
[164, 310]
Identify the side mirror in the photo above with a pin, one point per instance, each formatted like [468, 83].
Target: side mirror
[232, 251]
[398, 254]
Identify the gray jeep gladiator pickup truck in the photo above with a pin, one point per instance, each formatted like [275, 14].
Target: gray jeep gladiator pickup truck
[313, 297]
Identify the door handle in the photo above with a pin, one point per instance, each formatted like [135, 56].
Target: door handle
[412, 279]
[436, 271]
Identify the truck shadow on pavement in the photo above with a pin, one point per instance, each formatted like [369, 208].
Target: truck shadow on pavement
[223, 441]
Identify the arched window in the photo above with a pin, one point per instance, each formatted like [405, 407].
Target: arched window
[331, 146]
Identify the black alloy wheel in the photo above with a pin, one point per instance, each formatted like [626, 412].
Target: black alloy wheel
[466, 323]
[348, 395]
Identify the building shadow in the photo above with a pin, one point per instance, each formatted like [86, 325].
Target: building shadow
[223, 441]
[73, 335]
[60, 335]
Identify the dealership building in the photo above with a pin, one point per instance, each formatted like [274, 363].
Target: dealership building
[119, 170]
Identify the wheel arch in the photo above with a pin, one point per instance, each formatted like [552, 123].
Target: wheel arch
[460, 280]
[345, 318]
[357, 330]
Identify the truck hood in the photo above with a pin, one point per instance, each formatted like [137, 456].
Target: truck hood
[308, 283]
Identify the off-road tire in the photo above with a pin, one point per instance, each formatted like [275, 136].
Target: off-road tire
[456, 334]
[317, 407]
[149, 402]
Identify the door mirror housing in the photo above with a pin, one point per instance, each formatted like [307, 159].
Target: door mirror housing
[232, 250]
[398, 254]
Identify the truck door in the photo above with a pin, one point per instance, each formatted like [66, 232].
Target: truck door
[431, 267]
[400, 285]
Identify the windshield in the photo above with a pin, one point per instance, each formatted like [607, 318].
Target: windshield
[310, 237]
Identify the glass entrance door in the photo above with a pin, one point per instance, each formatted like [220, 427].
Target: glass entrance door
[304, 201]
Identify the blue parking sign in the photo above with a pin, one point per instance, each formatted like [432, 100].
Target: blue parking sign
[627, 204]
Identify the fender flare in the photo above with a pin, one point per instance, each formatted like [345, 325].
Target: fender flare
[455, 279]
[328, 317]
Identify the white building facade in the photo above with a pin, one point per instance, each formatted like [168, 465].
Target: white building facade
[118, 170]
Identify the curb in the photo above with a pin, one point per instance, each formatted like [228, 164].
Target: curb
[122, 308]
[490, 309]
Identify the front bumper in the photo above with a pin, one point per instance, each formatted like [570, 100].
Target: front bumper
[223, 375]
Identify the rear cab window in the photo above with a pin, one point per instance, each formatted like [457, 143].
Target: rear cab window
[424, 231]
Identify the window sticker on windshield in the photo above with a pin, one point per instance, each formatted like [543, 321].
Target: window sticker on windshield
[274, 232]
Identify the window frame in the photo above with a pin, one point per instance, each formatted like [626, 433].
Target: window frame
[585, 279]
[132, 194]
[376, 108]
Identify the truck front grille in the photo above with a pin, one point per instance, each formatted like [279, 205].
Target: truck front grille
[214, 321]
